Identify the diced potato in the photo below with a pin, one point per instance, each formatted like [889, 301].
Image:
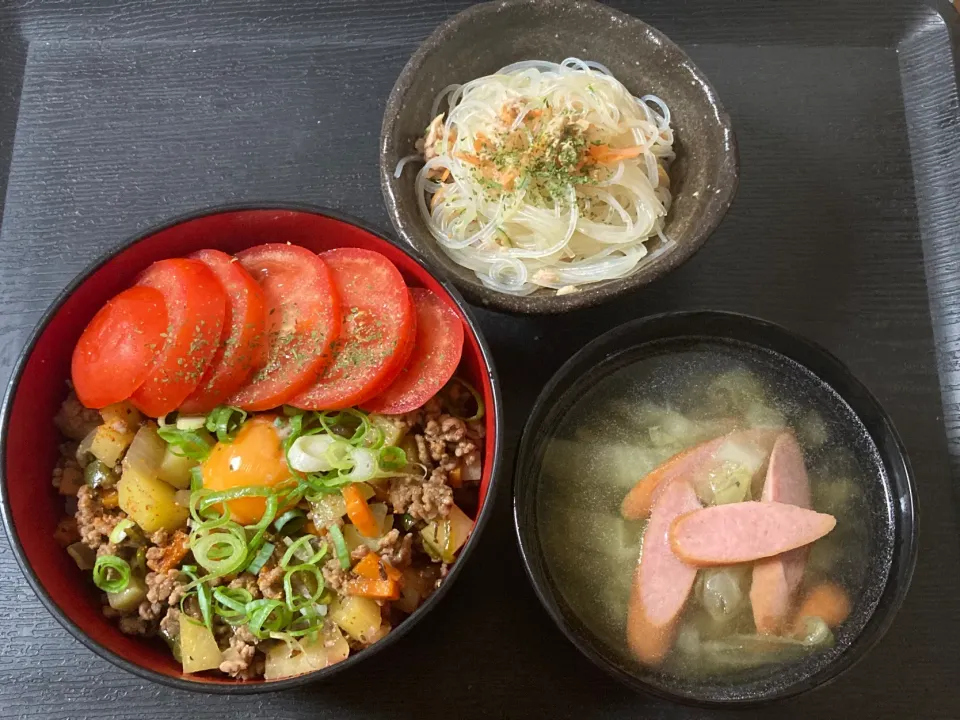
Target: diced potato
[122, 417]
[354, 539]
[412, 591]
[359, 617]
[391, 431]
[146, 451]
[447, 536]
[108, 445]
[198, 647]
[328, 509]
[280, 663]
[128, 599]
[150, 502]
[175, 469]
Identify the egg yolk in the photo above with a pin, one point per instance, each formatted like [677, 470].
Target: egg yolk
[254, 459]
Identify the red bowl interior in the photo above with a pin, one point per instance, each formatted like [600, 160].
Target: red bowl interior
[31, 444]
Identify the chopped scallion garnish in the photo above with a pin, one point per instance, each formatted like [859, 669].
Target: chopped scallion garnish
[224, 421]
[339, 545]
[111, 573]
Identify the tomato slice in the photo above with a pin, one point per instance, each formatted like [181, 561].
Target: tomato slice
[116, 352]
[196, 304]
[378, 325]
[435, 357]
[241, 348]
[303, 323]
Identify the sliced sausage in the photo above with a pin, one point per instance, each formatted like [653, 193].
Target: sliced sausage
[744, 532]
[662, 582]
[690, 462]
[776, 579]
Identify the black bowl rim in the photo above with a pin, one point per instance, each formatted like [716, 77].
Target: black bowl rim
[241, 688]
[727, 181]
[905, 546]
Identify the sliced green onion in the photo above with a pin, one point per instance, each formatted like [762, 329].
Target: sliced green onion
[193, 444]
[267, 616]
[374, 438]
[196, 478]
[308, 453]
[290, 522]
[202, 590]
[231, 604]
[339, 455]
[225, 420]
[119, 533]
[477, 398]
[190, 422]
[294, 601]
[339, 546]
[364, 465]
[220, 553]
[392, 457]
[111, 573]
[338, 423]
[260, 559]
[302, 548]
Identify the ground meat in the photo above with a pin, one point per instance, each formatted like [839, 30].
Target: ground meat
[68, 476]
[168, 551]
[334, 575]
[446, 441]
[421, 500]
[67, 532]
[246, 581]
[163, 589]
[74, 420]
[359, 553]
[170, 624]
[136, 625]
[395, 549]
[270, 582]
[94, 522]
[240, 659]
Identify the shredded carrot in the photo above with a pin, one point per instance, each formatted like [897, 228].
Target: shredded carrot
[605, 154]
[467, 158]
[359, 512]
[375, 589]
[507, 178]
[436, 198]
[446, 174]
[373, 567]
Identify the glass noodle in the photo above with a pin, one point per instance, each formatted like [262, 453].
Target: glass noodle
[518, 240]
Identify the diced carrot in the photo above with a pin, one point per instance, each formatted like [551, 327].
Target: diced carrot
[455, 477]
[375, 589]
[110, 500]
[313, 529]
[359, 512]
[373, 567]
[828, 602]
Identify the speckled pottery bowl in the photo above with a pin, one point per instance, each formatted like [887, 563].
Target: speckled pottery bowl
[486, 37]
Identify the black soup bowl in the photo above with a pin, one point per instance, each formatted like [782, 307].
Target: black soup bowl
[587, 596]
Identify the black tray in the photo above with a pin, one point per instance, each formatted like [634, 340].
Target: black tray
[114, 116]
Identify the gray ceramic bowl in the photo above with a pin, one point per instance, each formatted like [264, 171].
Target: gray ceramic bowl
[486, 37]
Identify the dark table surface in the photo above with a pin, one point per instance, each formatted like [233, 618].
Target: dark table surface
[116, 115]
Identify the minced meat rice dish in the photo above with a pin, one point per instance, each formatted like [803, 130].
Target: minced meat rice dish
[265, 545]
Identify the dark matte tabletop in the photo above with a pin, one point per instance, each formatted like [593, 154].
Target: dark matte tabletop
[117, 115]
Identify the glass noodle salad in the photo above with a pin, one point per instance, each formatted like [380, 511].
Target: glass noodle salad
[546, 176]
[276, 532]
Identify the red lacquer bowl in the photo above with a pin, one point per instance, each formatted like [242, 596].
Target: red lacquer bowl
[29, 443]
